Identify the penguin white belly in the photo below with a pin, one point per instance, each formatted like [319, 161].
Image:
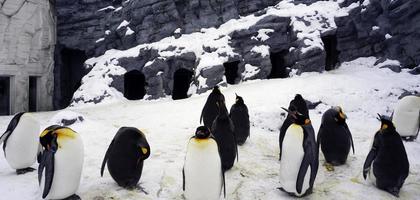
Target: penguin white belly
[203, 170]
[68, 164]
[22, 145]
[292, 159]
[406, 116]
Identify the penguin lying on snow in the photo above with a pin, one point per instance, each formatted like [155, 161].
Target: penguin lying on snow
[406, 117]
[335, 137]
[223, 130]
[125, 156]
[297, 104]
[210, 109]
[20, 142]
[389, 158]
[203, 177]
[240, 118]
[61, 163]
[299, 163]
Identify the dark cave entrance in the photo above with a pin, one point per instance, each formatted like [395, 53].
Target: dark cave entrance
[4, 95]
[134, 85]
[330, 46]
[278, 65]
[71, 74]
[182, 81]
[231, 71]
[33, 93]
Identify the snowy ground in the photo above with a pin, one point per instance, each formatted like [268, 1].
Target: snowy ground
[361, 89]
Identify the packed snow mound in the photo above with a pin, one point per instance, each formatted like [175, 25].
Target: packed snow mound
[359, 87]
[295, 29]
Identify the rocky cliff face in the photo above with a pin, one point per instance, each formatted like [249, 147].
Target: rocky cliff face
[258, 39]
[27, 38]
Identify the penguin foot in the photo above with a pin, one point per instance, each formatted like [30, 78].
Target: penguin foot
[24, 170]
[73, 197]
[141, 189]
[329, 167]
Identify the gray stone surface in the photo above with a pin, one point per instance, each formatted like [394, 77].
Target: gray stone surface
[27, 38]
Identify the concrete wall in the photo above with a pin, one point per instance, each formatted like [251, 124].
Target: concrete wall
[27, 39]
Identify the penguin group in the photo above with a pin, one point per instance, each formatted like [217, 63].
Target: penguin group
[213, 149]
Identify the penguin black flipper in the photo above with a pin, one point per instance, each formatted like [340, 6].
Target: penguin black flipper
[49, 171]
[349, 135]
[310, 158]
[183, 179]
[371, 156]
[106, 157]
[12, 125]
[319, 136]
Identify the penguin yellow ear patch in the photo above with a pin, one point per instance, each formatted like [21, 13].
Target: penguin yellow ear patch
[144, 150]
[307, 121]
[342, 116]
[384, 126]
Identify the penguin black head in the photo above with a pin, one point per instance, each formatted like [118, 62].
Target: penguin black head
[49, 136]
[386, 123]
[299, 104]
[340, 117]
[239, 100]
[202, 132]
[297, 117]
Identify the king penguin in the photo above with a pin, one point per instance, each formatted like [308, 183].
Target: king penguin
[20, 142]
[224, 133]
[60, 163]
[297, 104]
[389, 158]
[334, 137]
[125, 156]
[240, 118]
[203, 177]
[406, 117]
[210, 109]
[299, 165]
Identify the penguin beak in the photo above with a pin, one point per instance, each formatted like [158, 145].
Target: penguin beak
[291, 113]
[47, 165]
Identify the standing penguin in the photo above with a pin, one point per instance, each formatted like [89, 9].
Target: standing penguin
[61, 163]
[297, 104]
[389, 158]
[203, 177]
[20, 142]
[406, 117]
[334, 137]
[240, 117]
[299, 165]
[223, 131]
[125, 156]
[210, 109]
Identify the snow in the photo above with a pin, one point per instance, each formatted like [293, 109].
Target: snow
[106, 8]
[388, 36]
[262, 34]
[263, 50]
[99, 40]
[361, 88]
[123, 24]
[129, 31]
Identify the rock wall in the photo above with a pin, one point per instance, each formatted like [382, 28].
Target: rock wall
[27, 38]
[381, 28]
[299, 31]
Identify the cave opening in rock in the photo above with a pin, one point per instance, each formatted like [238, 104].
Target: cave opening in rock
[330, 46]
[4, 95]
[33, 93]
[182, 81]
[231, 71]
[71, 73]
[134, 85]
[278, 65]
